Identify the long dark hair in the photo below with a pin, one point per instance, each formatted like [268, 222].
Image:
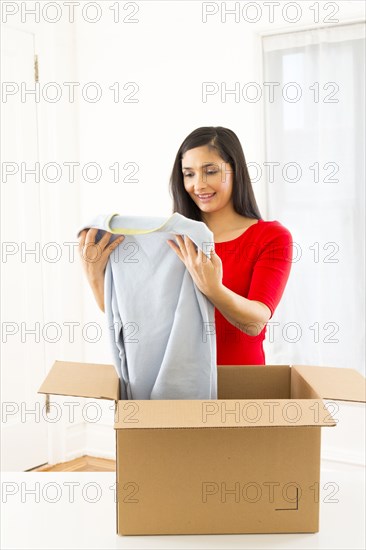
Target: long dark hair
[229, 148]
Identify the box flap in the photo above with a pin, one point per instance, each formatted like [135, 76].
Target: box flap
[341, 384]
[82, 380]
[221, 413]
[254, 382]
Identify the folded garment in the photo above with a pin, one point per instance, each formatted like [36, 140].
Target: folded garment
[161, 326]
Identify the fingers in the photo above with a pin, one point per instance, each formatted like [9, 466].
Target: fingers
[81, 238]
[173, 245]
[109, 248]
[189, 247]
[87, 238]
[105, 239]
[90, 236]
[185, 243]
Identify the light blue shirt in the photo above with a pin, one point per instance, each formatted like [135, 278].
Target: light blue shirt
[161, 326]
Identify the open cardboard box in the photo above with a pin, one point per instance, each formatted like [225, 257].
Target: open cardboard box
[247, 462]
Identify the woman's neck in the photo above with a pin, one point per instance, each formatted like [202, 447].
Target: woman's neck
[221, 222]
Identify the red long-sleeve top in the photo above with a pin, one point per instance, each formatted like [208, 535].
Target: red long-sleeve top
[256, 265]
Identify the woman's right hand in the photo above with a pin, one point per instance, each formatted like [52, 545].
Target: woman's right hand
[94, 257]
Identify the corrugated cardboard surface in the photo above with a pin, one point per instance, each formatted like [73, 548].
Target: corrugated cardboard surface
[301, 388]
[341, 384]
[249, 397]
[248, 462]
[234, 381]
[216, 481]
[254, 382]
[221, 413]
[82, 380]
[232, 465]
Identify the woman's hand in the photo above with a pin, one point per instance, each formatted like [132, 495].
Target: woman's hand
[206, 272]
[94, 257]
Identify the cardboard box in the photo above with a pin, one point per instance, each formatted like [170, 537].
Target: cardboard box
[248, 462]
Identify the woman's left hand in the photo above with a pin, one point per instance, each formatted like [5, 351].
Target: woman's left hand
[206, 272]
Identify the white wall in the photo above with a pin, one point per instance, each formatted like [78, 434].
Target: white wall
[168, 53]
[60, 209]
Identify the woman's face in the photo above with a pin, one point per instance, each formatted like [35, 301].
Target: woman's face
[205, 173]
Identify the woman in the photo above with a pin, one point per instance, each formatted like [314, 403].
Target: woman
[246, 275]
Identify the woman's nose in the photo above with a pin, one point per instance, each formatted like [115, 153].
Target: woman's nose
[199, 185]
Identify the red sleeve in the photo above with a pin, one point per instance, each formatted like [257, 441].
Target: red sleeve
[272, 268]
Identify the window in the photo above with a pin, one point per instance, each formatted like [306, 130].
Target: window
[315, 136]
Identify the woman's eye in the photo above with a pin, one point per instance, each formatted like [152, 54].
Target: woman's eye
[209, 173]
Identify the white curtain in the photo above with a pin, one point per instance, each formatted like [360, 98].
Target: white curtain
[315, 134]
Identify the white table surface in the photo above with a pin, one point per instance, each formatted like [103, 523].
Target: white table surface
[89, 525]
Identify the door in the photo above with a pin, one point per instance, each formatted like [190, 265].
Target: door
[24, 432]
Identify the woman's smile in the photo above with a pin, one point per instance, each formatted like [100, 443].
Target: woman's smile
[206, 197]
